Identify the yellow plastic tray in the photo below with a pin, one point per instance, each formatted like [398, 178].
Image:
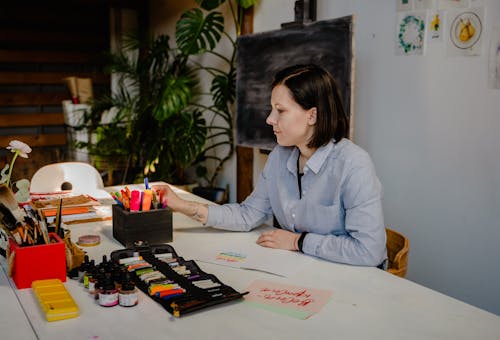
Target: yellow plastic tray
[54, 299]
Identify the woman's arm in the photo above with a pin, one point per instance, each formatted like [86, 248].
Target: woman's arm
[195, 210]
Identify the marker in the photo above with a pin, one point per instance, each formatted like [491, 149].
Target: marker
[146, 199]
[117, 200]
[135, 200]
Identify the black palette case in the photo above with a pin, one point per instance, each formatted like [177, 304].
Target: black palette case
[197, 293]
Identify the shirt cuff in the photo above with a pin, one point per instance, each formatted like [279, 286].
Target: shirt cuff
[213, 215]
[310, 243]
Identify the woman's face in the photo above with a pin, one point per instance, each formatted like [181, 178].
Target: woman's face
[292, 125]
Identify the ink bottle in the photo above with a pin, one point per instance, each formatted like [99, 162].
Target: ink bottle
[83, 268]
[92, 285]
[108, 294]
[88, 273]
[104, 264]
[100, 276]
[127, 294]
[116, 271]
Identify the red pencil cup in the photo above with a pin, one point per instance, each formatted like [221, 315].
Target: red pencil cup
[45, 261]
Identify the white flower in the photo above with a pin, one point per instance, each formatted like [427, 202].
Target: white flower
[21, 148]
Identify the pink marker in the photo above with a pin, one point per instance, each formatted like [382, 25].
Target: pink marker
[135, 200]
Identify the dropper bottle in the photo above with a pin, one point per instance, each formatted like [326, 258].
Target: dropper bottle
[108, 294]
[83, 268]
[88, 273]
[127, 294]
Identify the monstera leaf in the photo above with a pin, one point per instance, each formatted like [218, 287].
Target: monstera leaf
[191, 138]
[175, 96]
[223, 90]
[196, 33]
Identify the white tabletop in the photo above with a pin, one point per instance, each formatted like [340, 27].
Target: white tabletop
[367, 303]
[13, 322]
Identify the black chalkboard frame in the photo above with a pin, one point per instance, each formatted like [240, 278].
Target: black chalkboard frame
[329, 43]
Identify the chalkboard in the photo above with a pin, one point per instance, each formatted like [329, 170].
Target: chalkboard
[328, 43]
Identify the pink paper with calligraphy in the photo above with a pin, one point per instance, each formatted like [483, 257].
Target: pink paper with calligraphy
[295, 301]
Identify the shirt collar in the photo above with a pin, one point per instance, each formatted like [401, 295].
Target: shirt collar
[291, 163]
[314, 163]
[318, 158]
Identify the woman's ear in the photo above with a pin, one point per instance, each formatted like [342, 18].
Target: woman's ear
[312, 116]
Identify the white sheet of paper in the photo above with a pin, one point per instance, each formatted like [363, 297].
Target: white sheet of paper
[236, 250]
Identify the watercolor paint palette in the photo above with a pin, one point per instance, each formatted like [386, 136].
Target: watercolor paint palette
[55, 301]
[177, 284]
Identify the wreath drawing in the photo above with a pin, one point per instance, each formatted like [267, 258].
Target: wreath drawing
[411, 33]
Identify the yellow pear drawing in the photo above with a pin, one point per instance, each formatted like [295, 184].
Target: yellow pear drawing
[467, 31]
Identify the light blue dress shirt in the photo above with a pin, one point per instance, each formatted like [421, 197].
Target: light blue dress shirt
[340, 207]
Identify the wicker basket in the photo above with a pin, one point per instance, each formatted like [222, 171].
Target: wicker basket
[74, 255]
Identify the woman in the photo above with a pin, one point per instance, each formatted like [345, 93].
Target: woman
[321, 187]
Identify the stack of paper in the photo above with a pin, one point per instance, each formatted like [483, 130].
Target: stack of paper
[75, 209]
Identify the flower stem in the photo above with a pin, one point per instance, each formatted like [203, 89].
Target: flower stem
[11, 166]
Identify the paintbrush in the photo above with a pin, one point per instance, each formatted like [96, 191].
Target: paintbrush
[43, 226]
[194, 302]
[58, 229]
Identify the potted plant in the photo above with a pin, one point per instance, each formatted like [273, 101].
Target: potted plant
[164, 126]
[199, 30]
[148, 124]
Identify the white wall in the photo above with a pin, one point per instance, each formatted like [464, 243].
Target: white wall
[432, 128]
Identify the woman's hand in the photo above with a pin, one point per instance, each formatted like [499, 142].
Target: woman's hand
[169, 197]
[195, 210]
[279, 239]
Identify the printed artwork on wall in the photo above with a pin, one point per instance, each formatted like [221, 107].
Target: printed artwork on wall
[494, 60]
[410, 33]
[465, 29]
[435, 26]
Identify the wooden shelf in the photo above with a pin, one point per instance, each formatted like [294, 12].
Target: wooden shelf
[31, 119]
[48, 77]
[50, 57]
[36, 140]
[32, 99]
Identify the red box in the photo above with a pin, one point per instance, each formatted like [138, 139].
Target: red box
[44, 261]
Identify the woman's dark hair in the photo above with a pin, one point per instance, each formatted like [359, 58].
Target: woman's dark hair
[313, 86]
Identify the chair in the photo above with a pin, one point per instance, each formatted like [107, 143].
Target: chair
[397, 252]
[74, 176]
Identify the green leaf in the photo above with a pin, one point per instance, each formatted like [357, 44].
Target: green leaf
[174, 97]
[223, 90]
[196, 33]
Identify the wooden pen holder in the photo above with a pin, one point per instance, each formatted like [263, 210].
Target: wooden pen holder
[152, 226]
[44, 261]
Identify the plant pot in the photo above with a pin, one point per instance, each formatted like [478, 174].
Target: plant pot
[217, 195]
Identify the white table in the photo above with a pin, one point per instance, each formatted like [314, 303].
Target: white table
[13, 321]
[367, 303]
